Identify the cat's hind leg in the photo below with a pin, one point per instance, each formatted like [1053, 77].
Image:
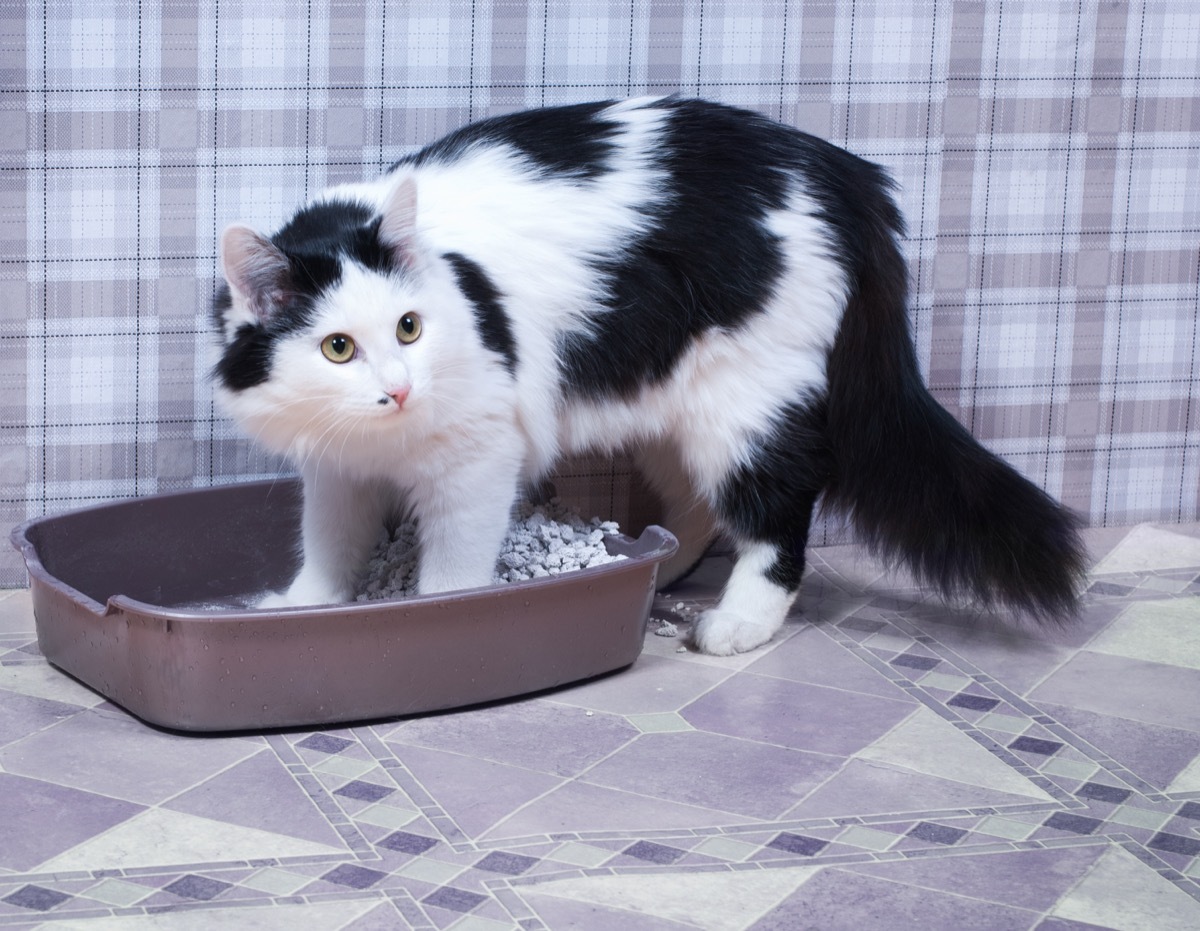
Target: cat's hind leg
[755, 603]
[687, 515]
[765, 503]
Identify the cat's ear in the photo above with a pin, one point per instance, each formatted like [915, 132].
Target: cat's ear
[397, 228]
[257, 271]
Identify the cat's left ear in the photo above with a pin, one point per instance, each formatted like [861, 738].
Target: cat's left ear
[397, 228]
[257, 271]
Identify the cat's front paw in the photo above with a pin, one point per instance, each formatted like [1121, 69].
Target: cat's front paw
[723, 633]
[296, 599]
[273, 600]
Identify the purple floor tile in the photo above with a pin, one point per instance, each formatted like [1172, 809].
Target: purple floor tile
[654, 684]
[798, 844]
[1124, 687]
[535, 735]
[1076, 824]
[1155, 753]
[201, 888]
[813, 657]
[259, 793]
[40, 820]
[118, 756]
[458, 900]
[1173, 843]
[403, 842]
[354, 876]
[580, 806]
[325, 743]
[36, 898]
[510, 864]
[653, 853]
[455, 781]
[914, 661]
[1034, 879]
[973, 702]
[1189, 810]
[842, 899]
[561, 914]
[1067, 924]
[937, 833]
[364, 791]
[1036, 745]
[1108, 588]
[713, 771]
[1103, 793]
[862, 625]
[22, 715]
[868, 788]
[795, 714]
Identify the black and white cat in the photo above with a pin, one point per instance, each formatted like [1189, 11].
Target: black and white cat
[719, 293]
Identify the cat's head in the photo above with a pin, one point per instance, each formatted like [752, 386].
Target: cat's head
[337, 329]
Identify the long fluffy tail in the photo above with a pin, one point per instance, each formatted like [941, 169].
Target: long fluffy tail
[916, 485]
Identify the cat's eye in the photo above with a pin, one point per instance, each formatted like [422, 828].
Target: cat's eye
[409, 328]
[338, 347]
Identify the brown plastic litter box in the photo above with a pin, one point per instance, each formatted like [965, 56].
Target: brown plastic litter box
[115, 590]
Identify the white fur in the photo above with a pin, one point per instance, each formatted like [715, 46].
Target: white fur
[751, 609]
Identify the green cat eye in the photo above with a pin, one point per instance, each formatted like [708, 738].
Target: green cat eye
[338, 347]
[409, 328]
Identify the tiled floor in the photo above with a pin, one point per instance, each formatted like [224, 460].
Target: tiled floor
[884, 764]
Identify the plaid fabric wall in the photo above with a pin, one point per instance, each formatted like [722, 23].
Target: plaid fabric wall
[1048, 151]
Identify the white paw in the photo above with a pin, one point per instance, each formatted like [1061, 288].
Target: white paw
[723, 633]
[274, 600]
[296, 599]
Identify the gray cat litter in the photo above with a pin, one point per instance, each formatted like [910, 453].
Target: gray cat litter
[544, 540]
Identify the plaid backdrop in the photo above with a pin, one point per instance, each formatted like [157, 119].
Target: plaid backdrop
[1048, 152]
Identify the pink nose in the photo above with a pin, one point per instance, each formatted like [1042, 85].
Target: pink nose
[399, 395]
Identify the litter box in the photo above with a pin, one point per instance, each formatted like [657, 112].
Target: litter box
[116, 587]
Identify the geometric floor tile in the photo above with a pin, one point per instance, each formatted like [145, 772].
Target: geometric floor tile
[1121, 893]
[928, 744]
[713, 901]
[169, 837]
[884, 756]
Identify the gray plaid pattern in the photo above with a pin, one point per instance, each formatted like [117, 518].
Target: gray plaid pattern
[1048, 156]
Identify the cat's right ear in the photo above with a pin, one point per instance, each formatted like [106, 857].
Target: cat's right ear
[397, 228]
[257, 271]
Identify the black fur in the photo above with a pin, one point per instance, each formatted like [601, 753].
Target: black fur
[247, 360]
[771, 497]
[568, 140]
[491, 320]
[917, 486]
[707, 259]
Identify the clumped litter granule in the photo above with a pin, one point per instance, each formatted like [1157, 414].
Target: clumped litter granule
[543, 540]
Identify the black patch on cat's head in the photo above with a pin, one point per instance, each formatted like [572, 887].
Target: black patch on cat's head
[491, 320]
[571, 140]
[316, 241]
